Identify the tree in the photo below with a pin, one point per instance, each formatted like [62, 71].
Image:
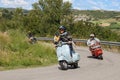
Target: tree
[6, 14]
[49, 14]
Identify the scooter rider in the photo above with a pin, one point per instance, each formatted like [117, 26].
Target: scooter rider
[31, 37]
[63, 34]
[65, 37]
[93, 42]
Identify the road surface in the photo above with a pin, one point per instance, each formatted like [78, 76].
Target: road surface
[89, 69]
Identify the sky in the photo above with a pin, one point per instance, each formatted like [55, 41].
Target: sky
[112, 5]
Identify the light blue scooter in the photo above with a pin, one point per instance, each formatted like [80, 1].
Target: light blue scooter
[64, 57]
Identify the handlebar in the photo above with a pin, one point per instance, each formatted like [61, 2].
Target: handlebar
[60, 43]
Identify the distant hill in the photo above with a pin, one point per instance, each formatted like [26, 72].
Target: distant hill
[12, 9]
[97, 14]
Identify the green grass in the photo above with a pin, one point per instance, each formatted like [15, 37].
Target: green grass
[16, 52]
[114, 26]
[109, 21]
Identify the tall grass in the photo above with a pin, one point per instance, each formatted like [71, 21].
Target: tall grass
[114, 26]
[15, 51]
[4, 40]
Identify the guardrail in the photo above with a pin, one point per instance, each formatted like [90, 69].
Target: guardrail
[83, 41]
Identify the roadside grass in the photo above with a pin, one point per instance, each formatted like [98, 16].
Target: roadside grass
[16, 52]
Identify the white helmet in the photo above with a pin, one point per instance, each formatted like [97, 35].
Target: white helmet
[92, 35]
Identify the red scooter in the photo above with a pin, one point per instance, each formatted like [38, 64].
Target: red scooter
[97, 53]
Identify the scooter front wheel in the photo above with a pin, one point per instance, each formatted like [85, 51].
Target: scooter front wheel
[63, 65]
[100, 57]
[76, 65]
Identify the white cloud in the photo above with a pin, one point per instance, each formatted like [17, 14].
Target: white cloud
[96, 8]
[98, 5]
[77, 8]
[92, 2]
[14, 2]
[116, 4]
[68, 1]
[78, 4]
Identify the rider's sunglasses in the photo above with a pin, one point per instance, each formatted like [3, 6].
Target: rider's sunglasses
[61, 29]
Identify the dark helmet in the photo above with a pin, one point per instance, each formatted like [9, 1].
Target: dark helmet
[62, 28]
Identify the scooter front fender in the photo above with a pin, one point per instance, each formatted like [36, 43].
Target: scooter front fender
[61, 58]
[76, 57]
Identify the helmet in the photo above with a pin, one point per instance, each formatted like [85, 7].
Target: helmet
[62, 28]
[92, 35]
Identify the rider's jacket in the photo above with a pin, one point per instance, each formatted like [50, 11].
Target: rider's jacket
[65, 37]
[93, 43]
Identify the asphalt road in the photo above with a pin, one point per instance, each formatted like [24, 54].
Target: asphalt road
[89, 69]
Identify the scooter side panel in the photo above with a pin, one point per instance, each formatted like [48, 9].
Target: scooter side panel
[99, 52]
[76, 57]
